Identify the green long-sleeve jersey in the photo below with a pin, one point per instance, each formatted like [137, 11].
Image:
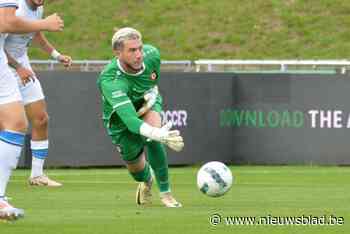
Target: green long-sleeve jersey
[122, 93]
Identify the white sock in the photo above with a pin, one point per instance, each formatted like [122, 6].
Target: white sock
[10, 149]
[40, 151]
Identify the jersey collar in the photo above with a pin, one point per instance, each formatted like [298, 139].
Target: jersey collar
[131, 74]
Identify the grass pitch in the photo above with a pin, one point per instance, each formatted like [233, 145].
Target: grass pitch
[103, 201]
[199, 29]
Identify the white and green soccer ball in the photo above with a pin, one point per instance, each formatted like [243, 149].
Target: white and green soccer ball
[214, 179]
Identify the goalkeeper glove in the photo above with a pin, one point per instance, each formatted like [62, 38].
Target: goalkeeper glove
[171, 138]
[150, 99]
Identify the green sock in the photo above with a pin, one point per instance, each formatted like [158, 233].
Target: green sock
[144, 175]
[157, 158]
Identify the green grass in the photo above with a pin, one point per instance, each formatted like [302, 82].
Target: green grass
[199, 29]
[102, 201]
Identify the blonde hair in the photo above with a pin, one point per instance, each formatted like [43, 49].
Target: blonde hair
[124, 34]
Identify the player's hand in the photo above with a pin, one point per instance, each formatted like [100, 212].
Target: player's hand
[65, 60]
[54, 23]
[150, 99]
[171, 138]
[25, 74]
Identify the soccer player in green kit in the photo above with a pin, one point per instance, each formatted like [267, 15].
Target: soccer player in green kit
[131, 114]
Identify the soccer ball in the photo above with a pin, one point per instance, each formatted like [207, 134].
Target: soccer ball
[214, 179]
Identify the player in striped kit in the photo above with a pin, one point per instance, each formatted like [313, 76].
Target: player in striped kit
[16, 47]
[13, 123]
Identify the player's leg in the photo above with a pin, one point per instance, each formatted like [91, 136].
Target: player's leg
[13, 128]
[140, 170]
[38, 118]
[36, 111]
[157, 158]
[157, 155]
[131, 147]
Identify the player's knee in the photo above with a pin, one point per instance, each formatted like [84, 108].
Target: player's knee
[18, 125]
[41, 120]
[137, 163]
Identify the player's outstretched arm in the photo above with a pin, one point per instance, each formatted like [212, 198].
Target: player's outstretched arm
[122, 105]
[41, 40]
[10, 23]
[171, 138]
[128, 115]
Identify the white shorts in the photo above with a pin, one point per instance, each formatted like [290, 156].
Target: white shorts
[9, 90]
[31, 91]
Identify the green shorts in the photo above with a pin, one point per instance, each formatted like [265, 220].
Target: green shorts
[129, 144]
